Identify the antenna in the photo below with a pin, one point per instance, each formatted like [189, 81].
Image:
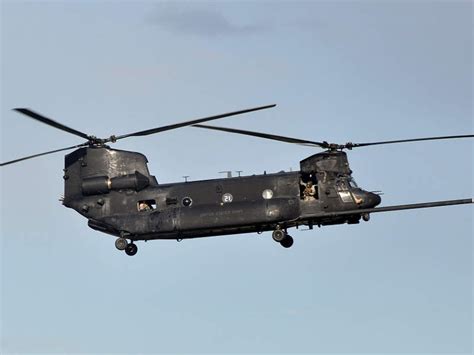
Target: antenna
[185, 178]
[239, 171]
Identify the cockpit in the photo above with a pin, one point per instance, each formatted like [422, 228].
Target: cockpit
[352, 183]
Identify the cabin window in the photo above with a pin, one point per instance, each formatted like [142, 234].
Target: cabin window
[146, 205]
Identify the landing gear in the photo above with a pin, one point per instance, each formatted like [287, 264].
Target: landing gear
[131, 249]
[121, 243]
[281, 237]
[278, 235]
[287, 242]
[366, 217]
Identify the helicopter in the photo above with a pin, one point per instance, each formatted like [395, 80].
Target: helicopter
[114, 190]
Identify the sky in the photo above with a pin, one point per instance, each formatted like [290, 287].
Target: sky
[339, 71]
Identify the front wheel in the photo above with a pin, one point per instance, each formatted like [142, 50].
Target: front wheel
[278, 235]
[121, 243]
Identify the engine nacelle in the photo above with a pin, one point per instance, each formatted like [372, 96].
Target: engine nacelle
[103, 184]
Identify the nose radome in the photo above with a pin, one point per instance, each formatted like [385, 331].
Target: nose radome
[374, 199]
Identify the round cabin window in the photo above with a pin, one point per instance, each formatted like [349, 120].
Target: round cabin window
[267, 194]
[187, 201]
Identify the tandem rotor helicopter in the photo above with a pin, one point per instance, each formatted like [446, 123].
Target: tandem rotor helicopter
[114, 190]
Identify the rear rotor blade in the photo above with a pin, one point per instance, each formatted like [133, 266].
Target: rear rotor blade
[40, 154]
[356, 145]
[188, 123]
[266, 136]
[50, 122]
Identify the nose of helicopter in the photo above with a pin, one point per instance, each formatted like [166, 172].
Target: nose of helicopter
[366, 199]
[373, 199]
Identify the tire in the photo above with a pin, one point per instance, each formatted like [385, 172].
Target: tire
[131, 249]
[278, 235]
[121, 243]
[287, 242]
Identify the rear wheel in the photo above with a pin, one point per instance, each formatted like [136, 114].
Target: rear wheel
[287, 242]
[131, 249]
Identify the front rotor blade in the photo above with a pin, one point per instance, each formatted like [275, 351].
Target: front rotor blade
[189, 123]
[398, 207]
[266, 136]
[50, 122]
[356, 145]
[45, 153]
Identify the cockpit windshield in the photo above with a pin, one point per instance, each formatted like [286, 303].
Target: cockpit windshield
[352, 183]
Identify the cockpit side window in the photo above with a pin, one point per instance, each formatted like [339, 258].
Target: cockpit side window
[342, 187]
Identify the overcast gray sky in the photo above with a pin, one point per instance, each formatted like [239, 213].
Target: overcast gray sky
[339, 71]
